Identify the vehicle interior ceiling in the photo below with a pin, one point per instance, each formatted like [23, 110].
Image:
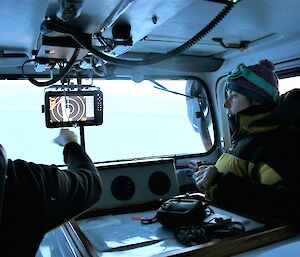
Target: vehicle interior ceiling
[135, 29]
[139, 39]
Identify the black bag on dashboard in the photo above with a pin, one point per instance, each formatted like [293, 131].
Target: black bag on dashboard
[180, 211]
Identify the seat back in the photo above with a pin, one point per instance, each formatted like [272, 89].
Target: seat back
[3, 176]
[287, 111]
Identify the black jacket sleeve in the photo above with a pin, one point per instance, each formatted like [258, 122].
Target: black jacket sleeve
[72, 191]
[40, 197]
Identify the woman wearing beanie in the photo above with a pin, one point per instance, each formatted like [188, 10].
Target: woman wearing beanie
[259, 173]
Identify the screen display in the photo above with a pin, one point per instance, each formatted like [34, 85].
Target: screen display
[69, 108]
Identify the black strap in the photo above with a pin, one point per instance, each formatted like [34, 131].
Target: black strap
[193, 235]
[190, 236]
[149, 221]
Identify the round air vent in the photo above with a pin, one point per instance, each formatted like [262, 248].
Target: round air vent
[122, 188]
[159, 183]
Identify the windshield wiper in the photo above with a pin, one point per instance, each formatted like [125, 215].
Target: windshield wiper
[161, 87]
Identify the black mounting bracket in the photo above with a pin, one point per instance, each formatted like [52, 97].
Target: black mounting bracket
[241, 46]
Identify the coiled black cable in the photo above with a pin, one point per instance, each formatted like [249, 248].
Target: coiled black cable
[62, 74]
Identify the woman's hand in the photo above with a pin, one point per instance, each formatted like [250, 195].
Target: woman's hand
[204, 176]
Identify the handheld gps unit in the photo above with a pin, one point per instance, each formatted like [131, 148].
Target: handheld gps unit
[76, 106]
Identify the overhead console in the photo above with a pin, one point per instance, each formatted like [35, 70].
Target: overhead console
[74, 39]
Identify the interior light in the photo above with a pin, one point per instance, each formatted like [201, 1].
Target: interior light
[52, 51]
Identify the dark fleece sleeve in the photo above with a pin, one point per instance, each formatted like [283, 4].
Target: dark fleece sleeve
[237, 194]
[40, 197]
[72, 191]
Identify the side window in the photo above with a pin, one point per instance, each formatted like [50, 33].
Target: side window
[221, 113]
[199, 112]
[288, 84]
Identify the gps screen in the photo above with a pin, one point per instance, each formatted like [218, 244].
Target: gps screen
[69, 108]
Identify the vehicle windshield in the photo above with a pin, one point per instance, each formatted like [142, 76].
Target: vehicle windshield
[139, 121]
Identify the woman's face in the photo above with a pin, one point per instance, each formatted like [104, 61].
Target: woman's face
[236, 102]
